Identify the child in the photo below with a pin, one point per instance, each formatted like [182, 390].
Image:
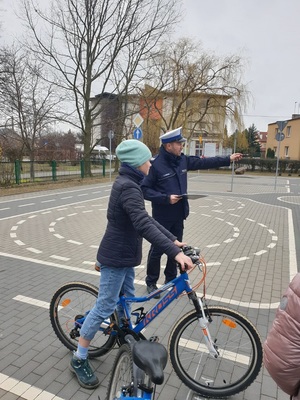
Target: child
[282, 347]
[120, 249]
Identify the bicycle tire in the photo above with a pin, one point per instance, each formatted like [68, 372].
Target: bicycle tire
[122, 374]
[240, 353]
[73, 300]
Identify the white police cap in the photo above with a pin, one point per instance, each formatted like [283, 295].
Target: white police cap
[173, 136]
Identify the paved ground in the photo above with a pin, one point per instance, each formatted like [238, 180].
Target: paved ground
[246, 232]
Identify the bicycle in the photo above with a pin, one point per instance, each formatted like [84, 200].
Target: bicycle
[215, 351]
[137, 369]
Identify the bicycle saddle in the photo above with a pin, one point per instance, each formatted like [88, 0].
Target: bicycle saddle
[152, 358]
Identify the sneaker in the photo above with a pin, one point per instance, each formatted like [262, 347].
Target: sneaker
[152, 288]
[84, 373]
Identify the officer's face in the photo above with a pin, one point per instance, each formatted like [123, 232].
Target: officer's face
[175, 148]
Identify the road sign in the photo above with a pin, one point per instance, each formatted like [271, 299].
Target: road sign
[281, 125]
[137, 133]
[279, 136]
[138, 120]
[111, 134]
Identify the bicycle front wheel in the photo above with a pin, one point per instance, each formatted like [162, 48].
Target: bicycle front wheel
[237, 342]
[121, 379]
[68, 307]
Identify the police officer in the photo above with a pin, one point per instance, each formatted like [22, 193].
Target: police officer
[164, 186]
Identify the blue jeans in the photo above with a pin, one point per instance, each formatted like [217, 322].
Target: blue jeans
[112, 281]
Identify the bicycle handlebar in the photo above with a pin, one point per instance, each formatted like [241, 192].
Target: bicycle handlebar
[193, 253]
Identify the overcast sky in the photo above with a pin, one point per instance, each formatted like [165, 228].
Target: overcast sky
[266, 33]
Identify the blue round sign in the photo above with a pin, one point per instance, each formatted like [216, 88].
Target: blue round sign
[137, 133]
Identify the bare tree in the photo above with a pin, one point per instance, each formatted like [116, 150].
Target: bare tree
[26, 98]
[97, 46]
[189, 87]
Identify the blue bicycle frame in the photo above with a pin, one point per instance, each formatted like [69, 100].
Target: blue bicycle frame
[174, 289]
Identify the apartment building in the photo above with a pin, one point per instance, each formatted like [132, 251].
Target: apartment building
[289, 147]
[202, 117]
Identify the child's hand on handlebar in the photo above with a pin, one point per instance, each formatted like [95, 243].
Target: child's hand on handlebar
[179, 244]
[184, 261]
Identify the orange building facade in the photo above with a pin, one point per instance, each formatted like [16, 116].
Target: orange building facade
[289, 147]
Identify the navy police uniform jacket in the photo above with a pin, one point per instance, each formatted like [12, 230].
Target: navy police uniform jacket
[128, 222]
[168, 175]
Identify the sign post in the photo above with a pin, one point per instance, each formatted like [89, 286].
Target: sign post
[279, 137]
[110, 136]
[232, 167]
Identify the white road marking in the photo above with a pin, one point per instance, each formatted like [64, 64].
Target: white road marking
[19, 243]
[229, 355]
[26, 205]
[33, 250]
[292, 246]
[240, 259]
[58, 236]
[4, 209]
[74, 242]
[49, 263]
[259, 253]
[48, 201]
[60, 258]
[25, 390]
[32, 301]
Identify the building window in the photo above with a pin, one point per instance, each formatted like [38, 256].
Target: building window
[286, 151]
[198, 148]
[288, 131]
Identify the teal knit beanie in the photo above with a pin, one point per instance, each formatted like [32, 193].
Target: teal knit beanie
[133, 152]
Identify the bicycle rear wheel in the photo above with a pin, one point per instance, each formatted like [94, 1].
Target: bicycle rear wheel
[69, 304]
[121, 379]
[238, 344]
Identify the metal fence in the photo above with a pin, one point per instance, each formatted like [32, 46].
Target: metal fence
[19, 172]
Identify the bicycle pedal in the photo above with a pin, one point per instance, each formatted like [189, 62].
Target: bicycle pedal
[154, 339]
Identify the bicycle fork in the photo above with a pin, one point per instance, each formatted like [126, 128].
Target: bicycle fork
[203, 322]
